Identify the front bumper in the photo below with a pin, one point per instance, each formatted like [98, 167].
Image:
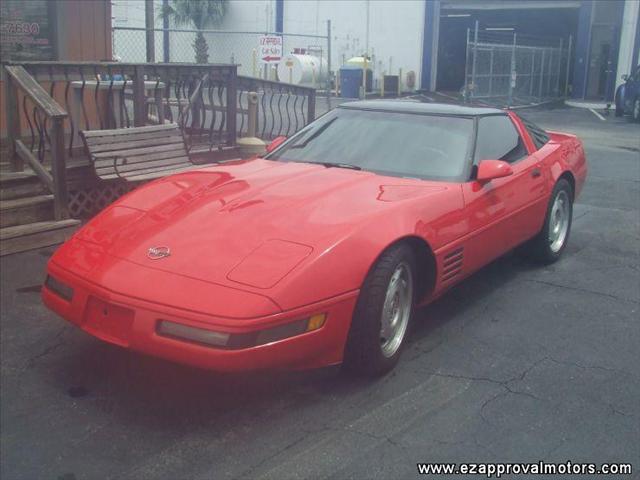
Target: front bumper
[133, 323]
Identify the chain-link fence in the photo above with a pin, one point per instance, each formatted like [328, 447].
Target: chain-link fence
[510, 68]
[242, 48]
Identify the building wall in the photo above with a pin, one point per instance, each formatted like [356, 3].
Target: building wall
[394, 30]
[83, 34]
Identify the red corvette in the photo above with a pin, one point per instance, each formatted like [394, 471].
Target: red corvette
[319, 252]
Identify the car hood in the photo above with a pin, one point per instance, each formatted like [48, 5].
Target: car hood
[246, 224]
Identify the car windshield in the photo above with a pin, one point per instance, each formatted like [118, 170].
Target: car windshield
[390, 143]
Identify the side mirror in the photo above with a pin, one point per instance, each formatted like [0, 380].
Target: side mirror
[624, 77]
[490, 169]
[275, 143]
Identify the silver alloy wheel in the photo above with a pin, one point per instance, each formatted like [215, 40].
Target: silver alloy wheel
[396, 310]
[559, 221]
[636, 109]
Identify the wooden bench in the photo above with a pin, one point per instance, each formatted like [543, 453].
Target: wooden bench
[137, 153]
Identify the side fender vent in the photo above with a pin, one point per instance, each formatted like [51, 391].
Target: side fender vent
[452, 264]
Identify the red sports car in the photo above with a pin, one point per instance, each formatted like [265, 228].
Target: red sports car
[319, 252]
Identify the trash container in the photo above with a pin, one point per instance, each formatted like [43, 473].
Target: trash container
[351, 81]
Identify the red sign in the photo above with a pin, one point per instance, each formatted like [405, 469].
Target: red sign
[270, 48]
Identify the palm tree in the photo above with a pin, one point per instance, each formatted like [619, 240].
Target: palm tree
[200, 14]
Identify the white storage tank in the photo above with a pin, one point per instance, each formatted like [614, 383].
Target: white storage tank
[306, 70]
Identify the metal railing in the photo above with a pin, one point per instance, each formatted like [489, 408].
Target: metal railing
[49, 103]
[283, 109]
[509, 68]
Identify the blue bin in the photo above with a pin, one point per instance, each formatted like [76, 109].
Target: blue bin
[351, 81]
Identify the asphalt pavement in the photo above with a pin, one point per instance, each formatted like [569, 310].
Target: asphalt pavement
[519, 363]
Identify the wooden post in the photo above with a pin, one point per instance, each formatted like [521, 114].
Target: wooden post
[311, 108]
[139, 100]
[232, 107]
[13, 122]
[59, 169]
[160, 105]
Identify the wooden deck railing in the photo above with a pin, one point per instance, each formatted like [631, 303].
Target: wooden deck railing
[49, 103]
[48, 118]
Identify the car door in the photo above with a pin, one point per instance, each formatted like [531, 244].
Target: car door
[503, 212]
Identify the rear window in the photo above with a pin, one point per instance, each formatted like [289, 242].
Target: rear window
[390, 143]
[538, 135]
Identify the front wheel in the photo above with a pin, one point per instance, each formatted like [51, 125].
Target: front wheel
[382, 314]
[548, 245]
[635, 114]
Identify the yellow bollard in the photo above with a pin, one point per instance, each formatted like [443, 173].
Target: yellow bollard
[400, 82]
[338, 83]
[382, 85]
[254, 62]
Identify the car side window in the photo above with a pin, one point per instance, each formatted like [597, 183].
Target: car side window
[498, 139]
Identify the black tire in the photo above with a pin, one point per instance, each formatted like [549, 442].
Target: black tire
[363, 354]
[619, 110]
[635, 112]
[540, 248]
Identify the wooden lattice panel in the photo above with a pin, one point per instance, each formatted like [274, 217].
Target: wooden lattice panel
[87, 202]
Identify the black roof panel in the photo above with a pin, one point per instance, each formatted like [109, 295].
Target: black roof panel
[420, 106]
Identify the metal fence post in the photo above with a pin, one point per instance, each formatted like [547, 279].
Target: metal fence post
[566, 82]
[557, 92]
[491, 72]
[328, 88]
[473, 64]
[512, 72]
[531, 73]
[466, 68]
[150, 32]
[165, 33]
[541, 75]
[549, 73]
[311, 107]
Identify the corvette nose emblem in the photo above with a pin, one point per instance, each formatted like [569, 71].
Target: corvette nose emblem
[156, 253]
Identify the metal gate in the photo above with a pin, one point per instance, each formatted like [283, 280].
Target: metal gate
[506, 68]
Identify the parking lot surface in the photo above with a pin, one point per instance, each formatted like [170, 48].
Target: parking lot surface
[519, 363]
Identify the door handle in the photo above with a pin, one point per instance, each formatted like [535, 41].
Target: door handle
[535, 173]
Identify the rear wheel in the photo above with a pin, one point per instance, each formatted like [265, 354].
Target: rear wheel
[382, 314]
[548, 245]
[635, 113]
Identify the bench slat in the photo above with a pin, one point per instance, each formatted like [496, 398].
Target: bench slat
[133, 137]
[108, 162]
[137, 151]
[128, 131]
[176, 161]
[153, 174]
[151, 142]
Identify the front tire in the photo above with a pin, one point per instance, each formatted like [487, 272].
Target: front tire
[548, 245]
[382, 315]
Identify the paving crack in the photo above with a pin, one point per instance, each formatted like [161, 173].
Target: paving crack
[582, 290]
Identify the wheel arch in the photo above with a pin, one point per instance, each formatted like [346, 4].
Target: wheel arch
[568, 176]
[425, 263]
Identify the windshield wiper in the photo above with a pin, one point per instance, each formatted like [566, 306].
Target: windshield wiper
[340, 165]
